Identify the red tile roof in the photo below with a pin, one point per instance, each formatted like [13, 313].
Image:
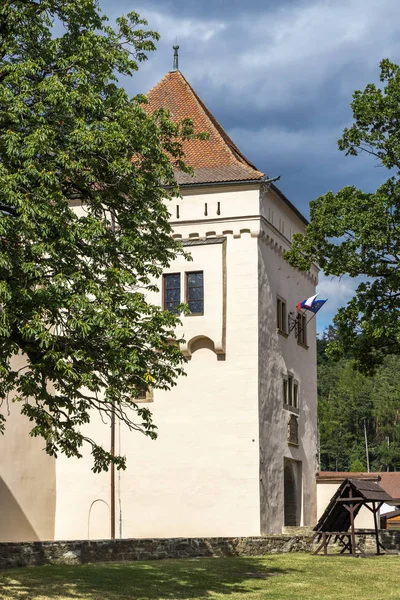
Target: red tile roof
[388, 480]
[217, 159]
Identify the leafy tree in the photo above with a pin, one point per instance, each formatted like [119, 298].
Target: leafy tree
[348, 401]
[329, 335]
[73, 281]
[357, 233]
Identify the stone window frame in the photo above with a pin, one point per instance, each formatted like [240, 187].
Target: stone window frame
[281, 316]
[302, 330]
[291, 392]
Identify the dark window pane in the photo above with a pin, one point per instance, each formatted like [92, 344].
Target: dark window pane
[172, 307]
[295, 396]
[195, 292]
[172, 295]
[172, 281]
[196, 306]
[290, 389]
[172, 292]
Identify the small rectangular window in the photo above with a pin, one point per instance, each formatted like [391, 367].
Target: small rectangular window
[290, 392]
[290, 386]
[302, 330]
[171, 292]
[285, 391]
[145, 395]
[281, 315]
[195, 292]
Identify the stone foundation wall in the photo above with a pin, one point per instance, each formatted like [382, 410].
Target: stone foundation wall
[390, 539]
[23, 554]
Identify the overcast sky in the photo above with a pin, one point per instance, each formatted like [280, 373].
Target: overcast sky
[279, 76]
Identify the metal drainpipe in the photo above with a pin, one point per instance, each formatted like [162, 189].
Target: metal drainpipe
[112, 450]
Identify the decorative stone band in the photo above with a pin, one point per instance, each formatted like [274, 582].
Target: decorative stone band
[257, 227]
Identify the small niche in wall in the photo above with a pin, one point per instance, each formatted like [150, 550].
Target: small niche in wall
[218, 208]
[205, 209]
[177, 211]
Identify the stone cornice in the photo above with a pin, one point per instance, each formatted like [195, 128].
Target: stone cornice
[257, 226]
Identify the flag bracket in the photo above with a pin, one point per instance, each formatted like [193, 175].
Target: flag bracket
[293, 323]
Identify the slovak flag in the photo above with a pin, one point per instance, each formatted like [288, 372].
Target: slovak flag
[311, 304]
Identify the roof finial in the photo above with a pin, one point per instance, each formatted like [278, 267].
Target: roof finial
[176, 58]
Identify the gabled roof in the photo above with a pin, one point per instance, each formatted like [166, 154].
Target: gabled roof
[336, 517]
[215, 160]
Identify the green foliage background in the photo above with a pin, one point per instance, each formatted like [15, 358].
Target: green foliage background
[346, 400]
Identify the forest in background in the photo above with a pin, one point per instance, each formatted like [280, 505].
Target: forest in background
[352, 407]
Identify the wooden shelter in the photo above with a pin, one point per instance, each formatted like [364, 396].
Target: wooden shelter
[391, 520]
[337, 522]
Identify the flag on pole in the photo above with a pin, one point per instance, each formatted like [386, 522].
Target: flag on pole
[311, 304]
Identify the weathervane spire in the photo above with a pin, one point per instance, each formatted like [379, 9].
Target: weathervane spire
[176, 58]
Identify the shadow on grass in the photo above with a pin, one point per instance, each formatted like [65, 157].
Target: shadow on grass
[177, 579]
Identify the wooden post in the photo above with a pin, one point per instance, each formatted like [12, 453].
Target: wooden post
[353, 535]
[375, 510]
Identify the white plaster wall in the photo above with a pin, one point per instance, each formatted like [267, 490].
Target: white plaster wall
[221, 429]
[201, 476]
[234, 202]
[280, 355]
[325, 491]
[279, 215]
[27, 479]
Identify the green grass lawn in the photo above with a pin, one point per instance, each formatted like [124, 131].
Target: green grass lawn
[283, 577]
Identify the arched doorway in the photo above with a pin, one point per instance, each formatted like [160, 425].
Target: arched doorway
[292, 513]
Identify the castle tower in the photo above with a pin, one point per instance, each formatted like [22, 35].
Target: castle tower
[237, 446]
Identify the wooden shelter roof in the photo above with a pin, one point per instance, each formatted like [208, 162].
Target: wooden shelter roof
[336, 517]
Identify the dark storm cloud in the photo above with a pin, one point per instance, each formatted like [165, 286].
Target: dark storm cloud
[279, 77]
[198, 9]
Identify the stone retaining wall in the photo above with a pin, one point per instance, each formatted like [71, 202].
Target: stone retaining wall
[390, 539]
[21, 554]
